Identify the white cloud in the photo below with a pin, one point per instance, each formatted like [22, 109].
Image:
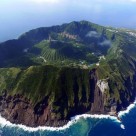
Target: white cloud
[93, 34]
[104, 1]
[105, 43]
[72, 1]
[115, 1]
[133, 0]
[81, 2]
[46, 1]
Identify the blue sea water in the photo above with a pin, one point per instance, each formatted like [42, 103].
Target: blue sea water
[82, 126]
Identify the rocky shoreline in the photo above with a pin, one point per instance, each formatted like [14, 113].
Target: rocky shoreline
[19, 110]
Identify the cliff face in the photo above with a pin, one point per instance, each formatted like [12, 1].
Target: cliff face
[20, 110]
[97, 96]
[77, 91]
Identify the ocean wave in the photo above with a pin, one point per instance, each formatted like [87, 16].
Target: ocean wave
[122, 126]
[4, 122]
[129, 108]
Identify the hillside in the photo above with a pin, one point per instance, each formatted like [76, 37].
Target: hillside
[53, 73]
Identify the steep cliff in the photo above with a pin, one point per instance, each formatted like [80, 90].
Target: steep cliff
[75, 91]
[58, 96]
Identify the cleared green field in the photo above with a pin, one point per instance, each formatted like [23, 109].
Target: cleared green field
[58, 51]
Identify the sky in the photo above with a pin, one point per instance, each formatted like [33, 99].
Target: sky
[19, 16]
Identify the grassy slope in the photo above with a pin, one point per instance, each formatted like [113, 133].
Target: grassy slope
[36, 82]
[119, 68]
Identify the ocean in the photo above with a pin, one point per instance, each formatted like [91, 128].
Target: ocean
[82, 125]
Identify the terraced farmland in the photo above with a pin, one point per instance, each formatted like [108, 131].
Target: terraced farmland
[57, 51]
[49, 53]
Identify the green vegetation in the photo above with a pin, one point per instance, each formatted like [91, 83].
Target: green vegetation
[36, 82]
[56, 62]
[55, 44]
[7, 77]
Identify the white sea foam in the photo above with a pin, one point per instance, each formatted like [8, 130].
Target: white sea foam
[129, 108]
[4, 122]
[122, 126]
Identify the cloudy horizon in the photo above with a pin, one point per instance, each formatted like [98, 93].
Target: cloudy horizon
[19, 16]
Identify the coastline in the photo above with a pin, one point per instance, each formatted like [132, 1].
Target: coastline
[123, 112]
[4, 122]
[70, 123]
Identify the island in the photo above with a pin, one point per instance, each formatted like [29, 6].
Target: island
[51, 74]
